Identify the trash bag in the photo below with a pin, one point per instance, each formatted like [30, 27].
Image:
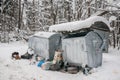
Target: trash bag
[57, 66]
[15, 55]
[73, 70]
[27, 56]
[46, 65]
[57, 61]
[30, 50]
[86, 70]
[39, 58]
[40, 63]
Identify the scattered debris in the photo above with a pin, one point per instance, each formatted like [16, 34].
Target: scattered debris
[15, 55]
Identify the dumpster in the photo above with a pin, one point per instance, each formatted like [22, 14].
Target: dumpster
[44, 44]
[83, 42]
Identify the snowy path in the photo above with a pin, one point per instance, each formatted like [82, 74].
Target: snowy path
[22, 70]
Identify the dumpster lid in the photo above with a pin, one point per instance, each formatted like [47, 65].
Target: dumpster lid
[44, 34]
[77, 25]
[80, 33]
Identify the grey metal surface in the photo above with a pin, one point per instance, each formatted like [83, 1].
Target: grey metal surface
[45, 47]
[94, 43]
[105, 36]
[74, 50]
[83, 50]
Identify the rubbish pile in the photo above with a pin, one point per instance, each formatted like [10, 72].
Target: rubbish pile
[57, 64]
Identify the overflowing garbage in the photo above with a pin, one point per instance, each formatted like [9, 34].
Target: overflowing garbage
[57, 64]
[15, 55]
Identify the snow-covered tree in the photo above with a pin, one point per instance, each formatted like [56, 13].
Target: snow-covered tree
[8, 18]
[27, 16]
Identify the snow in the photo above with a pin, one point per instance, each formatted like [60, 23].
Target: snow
[22, 70]
[98, 13]
[44, 34]
[118, 4]
[112, 18]
[72, 26]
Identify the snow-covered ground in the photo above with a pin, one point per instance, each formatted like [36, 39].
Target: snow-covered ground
[22, 70]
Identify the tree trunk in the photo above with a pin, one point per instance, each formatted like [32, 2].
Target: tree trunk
[69, 16]
[88, 8]
[19, 23]
[114, 42]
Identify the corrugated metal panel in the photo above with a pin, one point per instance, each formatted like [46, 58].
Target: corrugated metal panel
[31, 42]
[54, 44]
[83, 50]
[93, 43]
[40, 46]
[104, 36]
[74, 50]
[43, 46]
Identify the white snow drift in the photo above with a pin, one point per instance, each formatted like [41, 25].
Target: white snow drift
[22, 70]
[77, 25]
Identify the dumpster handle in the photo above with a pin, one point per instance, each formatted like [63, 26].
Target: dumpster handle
[100, 38]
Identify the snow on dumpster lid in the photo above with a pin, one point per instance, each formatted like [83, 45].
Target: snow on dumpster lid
[44, 34]
[77, 25]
